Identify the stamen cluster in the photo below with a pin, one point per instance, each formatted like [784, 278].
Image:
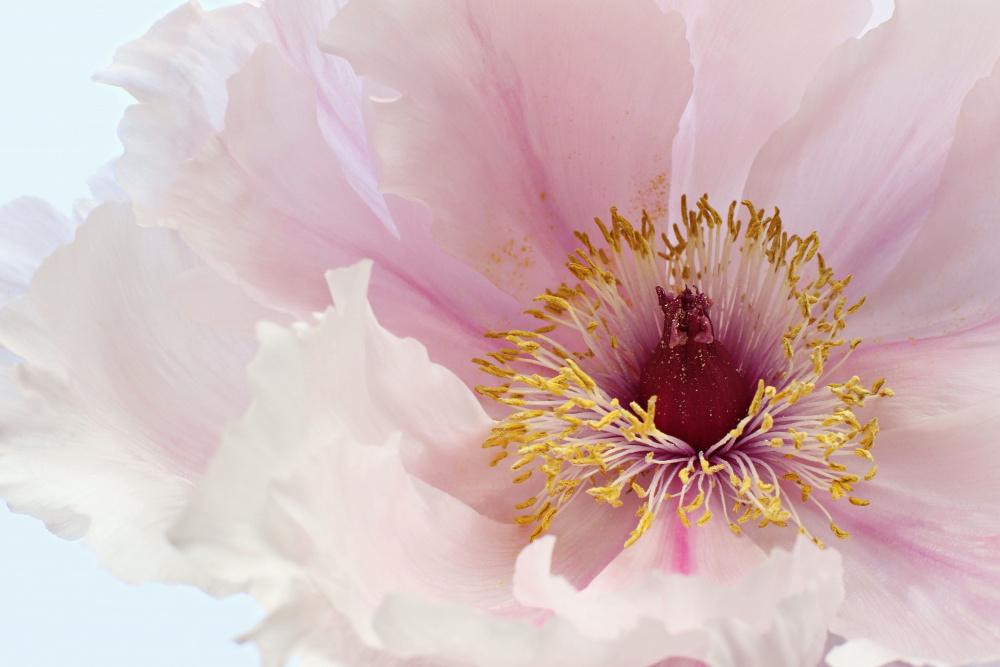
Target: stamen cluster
[574, 380]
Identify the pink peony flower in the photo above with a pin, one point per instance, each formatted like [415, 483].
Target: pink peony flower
[267, 370]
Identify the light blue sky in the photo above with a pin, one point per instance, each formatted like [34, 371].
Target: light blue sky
[57, 607]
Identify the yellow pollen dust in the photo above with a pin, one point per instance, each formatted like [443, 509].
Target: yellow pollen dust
[570, 382]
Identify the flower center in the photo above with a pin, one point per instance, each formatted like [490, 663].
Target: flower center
[700, 393]
[606, 401]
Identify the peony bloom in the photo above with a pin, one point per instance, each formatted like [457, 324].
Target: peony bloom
[330, 350]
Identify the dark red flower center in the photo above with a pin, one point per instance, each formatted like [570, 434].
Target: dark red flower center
[700, 395]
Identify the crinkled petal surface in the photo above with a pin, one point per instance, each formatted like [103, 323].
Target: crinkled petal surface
[31, 229]
[178, 71]
[352, 498]
[125, 397]
[311, 503]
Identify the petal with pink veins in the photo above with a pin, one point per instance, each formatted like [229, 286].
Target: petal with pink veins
[922, 564]
[932, 376]
[752, 62]
[862, 158]
[946, 280]
[516, 134]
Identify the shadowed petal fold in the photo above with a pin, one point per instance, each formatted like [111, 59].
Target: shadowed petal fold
[513, 132]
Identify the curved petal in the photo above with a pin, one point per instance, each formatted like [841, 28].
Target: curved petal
[866, 653]
[776, 615]
[922, 565]
[516, 134]
[894, 95]
[946, 279]
[268, 203]
[752, 62]
[710, 551]
[125, 398]
[312, 485]
[932, 376]
[31, 229]
[178, 73]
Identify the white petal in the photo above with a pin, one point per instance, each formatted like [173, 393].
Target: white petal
[866, 653]
[314, 485]
[777, 615]
[125, 398]
[31, 229]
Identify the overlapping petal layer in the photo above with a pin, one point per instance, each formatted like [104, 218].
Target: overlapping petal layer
[124, 396]
[512, 132]
[31, 229]
[316, 487]
[352, 497]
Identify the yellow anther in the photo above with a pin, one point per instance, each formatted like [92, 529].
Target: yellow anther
[766, 423]
[685, 475]
[838, 532]
[498, 458]
[644, 524]
[607, 419]
[696, 503]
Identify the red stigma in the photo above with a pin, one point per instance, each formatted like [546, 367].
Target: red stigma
[700, 395]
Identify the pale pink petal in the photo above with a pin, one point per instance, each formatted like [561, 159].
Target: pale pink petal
[922, 564]
[267, 202]
[710, 551]
[521, 121]
[178, 71]
[31, 229]
[312, 485]
[125, 398]
[862, 158]
[752, 62]
[776, 615]
[947, 278]
[932, 376]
